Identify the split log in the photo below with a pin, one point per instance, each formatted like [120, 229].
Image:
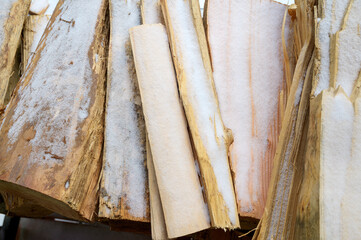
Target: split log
[180, 191]
[12, 17]
[276, 222]
[52, 133]
[151, 14]
[33, 30]
[124, 186]
[334, 189]
[313, 215]
[195, 79]
[251, 88]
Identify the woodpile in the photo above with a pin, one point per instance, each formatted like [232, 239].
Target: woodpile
[147, 116]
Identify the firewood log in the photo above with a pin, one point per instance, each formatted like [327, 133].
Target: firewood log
[124, 186]
[151, 13]
[195, 80]
[329, 134]
[180, 191]
[52, 133]
[276, 223]
[243, 36]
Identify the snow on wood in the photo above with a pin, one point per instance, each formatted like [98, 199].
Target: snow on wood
[331, 186]
[331, 14]
[52, 133]
[151, 12]
[314, 214]
[243, 37]
[277, 221]
[33, 31]
[38, 7]
[347, 49]
[335, 143]
[124, 191]
[211, 138]
[350, 226]
[180, 191]
[12, 17]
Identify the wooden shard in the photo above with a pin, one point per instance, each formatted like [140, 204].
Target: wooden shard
[52, 133]
[157, 221]
[195, 79]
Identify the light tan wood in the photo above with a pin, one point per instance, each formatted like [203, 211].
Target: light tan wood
[326, 207]
[52, 134]
[210, 137]
[157, 221]
[124, 185]
[180, 191]
[307, 215]
[251, 89]
[151, 14]
[12, 17]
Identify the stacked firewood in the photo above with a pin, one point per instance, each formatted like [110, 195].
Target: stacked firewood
[132, 112]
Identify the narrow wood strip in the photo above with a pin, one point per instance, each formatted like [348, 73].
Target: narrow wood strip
[195, 80]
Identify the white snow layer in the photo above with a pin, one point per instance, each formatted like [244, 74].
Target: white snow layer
[38, 6]
[207, 118]
[351, 210]
[124, 174]
[56, 100]
[336, 143]
[245, 42]
[38, 31]
[152, 12]
[51, 8]
[334, 11]
[349, 56]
